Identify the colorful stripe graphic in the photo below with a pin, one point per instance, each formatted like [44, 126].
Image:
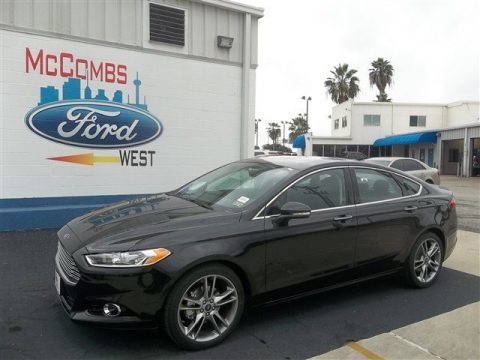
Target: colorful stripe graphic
[87, 159]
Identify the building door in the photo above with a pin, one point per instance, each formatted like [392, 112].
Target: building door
[430, 157]
[422, 155]
[475, 146]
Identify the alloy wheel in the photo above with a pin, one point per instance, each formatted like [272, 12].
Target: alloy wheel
[427, 260]
[207, 308]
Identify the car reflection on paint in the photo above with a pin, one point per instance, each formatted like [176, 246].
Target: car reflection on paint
[251, 232]
[411, 166]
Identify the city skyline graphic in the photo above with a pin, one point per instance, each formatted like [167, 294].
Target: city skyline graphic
[71, 90]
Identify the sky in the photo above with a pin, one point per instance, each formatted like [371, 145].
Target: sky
[433, 45]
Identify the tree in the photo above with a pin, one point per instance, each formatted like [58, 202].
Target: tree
[299, 126]
[277, 147]
[273, 132]
[381, 75]
[343, 85]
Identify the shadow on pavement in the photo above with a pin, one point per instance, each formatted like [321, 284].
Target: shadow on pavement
[33, 325]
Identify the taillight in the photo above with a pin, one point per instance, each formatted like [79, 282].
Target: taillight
[452, 204]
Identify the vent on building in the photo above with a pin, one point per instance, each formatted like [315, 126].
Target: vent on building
[167, 24]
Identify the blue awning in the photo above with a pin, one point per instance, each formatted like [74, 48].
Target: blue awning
[299, 142]
[405, 139]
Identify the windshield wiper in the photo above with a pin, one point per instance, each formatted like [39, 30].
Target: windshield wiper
[195, 201]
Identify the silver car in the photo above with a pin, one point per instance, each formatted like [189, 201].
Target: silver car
[412, 166]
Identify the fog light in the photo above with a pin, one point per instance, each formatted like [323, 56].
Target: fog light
[111, 310]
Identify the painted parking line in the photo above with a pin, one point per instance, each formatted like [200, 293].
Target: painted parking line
[364, 351]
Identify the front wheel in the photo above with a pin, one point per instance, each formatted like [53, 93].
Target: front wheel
[204, 307]
[425, 261]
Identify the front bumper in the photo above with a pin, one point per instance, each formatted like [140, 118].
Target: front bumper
[140, 293]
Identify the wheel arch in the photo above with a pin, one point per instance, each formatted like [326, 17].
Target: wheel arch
[237, 269]
[440, 235]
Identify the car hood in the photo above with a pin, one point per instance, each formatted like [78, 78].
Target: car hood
[122, 226]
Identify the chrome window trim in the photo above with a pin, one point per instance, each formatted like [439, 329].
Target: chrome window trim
[257, 217]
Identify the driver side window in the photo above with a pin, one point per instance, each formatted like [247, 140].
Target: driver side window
[321, 190]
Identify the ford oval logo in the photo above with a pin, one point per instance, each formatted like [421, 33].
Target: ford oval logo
[94, 124]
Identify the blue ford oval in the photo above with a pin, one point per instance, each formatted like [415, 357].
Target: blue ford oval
[94, 124]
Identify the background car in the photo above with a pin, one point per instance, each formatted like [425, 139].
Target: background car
[409, 165]
[251, 232]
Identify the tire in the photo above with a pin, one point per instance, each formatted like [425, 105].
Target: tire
[190, 313]
[422, 271]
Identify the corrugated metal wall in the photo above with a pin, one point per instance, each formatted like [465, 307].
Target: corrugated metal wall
[122, 22]
[453, 134]
[474, 132]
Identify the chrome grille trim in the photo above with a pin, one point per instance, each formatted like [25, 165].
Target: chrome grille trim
[67, 266]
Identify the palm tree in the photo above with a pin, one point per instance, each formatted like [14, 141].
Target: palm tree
[343, 85]
[274, 132]
[298, 126]
[381, 75]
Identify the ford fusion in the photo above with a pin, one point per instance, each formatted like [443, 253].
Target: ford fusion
[249, 233]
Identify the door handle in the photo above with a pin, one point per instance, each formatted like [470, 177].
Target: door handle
[342, 218]
[410, 208]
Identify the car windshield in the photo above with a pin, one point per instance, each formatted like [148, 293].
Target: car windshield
[379, 161]
[235, 185]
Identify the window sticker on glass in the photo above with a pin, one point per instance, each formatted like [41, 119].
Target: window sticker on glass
[242, 200]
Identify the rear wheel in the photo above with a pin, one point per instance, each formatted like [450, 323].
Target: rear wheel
[204, 307]
[425, 261]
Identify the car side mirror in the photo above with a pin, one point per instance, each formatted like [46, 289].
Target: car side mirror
[292, 210]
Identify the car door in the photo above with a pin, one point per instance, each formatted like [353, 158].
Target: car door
[310, 248]
[387, 217]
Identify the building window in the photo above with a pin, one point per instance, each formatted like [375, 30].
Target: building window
[329, 150]
[418, 120]
[344, 121]
[371, 120]
[167, 24]
[335, 124]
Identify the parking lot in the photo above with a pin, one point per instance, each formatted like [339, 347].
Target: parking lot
[467, 195]
[383, 317]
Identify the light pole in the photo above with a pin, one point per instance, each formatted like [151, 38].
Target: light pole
[307, 99]
[284, 140]
[256, 130]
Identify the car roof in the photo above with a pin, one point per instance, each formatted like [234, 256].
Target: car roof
[305, 162]
[391, 158]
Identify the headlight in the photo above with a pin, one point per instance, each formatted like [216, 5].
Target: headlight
[128, 258]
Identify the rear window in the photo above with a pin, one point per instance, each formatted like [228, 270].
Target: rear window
[408, 186]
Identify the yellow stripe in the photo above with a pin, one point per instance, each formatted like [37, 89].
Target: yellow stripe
[365, 352]
[106, 159]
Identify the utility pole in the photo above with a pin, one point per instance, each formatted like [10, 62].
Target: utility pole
[284, 139]
[307, 99]
[256, 130]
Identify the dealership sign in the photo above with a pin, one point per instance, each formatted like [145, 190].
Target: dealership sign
[74, 114]
[93, 124]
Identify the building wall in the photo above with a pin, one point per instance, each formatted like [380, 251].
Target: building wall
[461, 113]
[194, 100]
[202, 97]
[125, 22]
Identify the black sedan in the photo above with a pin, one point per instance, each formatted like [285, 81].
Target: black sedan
[251, 232]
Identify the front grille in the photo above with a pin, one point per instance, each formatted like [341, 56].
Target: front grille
[67, 265]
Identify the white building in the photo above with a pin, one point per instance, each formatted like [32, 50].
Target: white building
[446, 136]
[101, 100]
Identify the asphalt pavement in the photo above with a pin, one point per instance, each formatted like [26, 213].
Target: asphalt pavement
[467, 196]
[34, 326]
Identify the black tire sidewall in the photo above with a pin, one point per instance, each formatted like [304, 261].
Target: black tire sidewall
[410, 271]
[171, 305]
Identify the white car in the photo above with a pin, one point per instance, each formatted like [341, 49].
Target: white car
[412, 166]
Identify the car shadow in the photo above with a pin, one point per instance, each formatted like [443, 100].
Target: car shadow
[33, 324]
